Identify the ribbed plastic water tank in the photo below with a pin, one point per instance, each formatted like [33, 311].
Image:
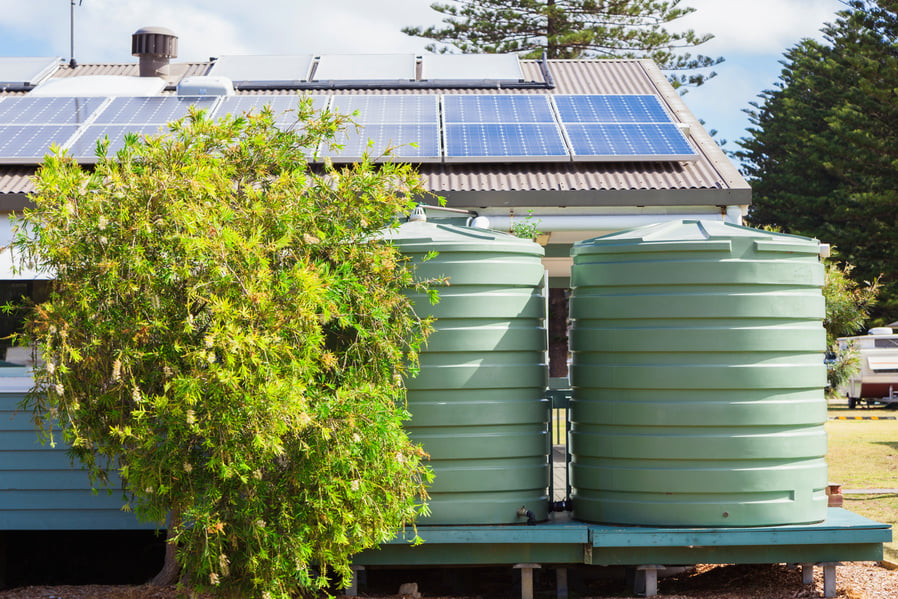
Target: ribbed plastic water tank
[478, 404]
[698, 377]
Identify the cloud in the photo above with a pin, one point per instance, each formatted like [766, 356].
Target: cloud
[214, 27]
[207, 28]
[756, 26]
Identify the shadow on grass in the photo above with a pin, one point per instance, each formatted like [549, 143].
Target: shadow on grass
[890, 444]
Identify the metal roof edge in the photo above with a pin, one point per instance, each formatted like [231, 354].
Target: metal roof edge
[14, 202]
[713, 152]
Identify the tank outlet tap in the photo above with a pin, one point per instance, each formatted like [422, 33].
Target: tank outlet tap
[523, 512]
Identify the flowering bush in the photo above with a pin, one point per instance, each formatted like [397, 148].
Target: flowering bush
[227, 334]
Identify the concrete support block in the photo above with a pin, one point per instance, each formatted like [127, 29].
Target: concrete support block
[646, 583]
[353, 589]
[807, 573]
[829, 578]
[526, 579]
[561, 583]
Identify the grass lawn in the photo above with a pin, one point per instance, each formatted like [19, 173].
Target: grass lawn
[863, 454]
[882, 508]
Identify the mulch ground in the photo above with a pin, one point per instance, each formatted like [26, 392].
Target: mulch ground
[862, 580]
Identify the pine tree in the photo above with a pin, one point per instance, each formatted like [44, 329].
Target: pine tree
[823, 153]
[571, 29]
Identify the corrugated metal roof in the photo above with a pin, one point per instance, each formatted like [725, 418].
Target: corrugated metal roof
[462, 184]
[583, 176]
[16, 179]
[183, 69]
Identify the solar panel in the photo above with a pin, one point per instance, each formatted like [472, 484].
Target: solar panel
[390, 108]
[263, 71]
[84, 146]
[27, 144]
[611, 109]
[471, 67]
[530, 142]
[282, 106]
[151, 110]
[145, 116]
[426, 138]
[99, 85]
[628, 141]
[390, 121]
[366, 67]
[497, 109]
[24, 72]
[501, 128]
[621, 127]
[28, 110]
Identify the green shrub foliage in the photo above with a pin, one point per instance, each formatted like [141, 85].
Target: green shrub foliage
[227, 333]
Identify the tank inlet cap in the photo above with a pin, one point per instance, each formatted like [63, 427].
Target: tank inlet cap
[417, 214]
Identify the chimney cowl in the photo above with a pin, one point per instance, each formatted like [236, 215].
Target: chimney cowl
[155, 46]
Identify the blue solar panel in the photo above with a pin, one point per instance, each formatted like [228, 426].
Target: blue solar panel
[42, 110]
[284, 107]
[151, 110]
[394, 109]
[497, 109]
[399, 136]
[627, 141]
[611, 109]
[84, 147]
[27, 144]
[530, 142]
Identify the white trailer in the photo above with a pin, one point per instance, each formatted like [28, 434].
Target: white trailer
[877, 379]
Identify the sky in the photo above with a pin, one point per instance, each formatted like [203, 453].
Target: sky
[750, 34]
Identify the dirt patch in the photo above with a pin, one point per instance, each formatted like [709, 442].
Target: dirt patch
[862, 580]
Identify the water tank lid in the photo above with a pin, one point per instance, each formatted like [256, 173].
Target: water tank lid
[880, 331]
[429, 235]
[691, 235]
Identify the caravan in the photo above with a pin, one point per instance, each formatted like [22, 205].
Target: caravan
[877, 379]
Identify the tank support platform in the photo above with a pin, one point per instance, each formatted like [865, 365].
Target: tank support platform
[842, 537]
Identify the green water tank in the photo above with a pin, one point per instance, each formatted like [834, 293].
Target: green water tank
[478, 404]
[698, 377]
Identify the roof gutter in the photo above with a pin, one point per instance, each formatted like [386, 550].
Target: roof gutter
[551, 223]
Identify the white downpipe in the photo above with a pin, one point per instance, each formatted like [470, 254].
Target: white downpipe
[734, 215]
[550, 223]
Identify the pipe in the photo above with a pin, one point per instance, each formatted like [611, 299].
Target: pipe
[544, 68]
[733, 215]
[549, 223]
[446, 209]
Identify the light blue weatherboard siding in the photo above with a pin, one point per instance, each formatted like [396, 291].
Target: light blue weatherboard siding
[39, 487]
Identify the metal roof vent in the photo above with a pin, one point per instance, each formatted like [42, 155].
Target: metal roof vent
[155, 46]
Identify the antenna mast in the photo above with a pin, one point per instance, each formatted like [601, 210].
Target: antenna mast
[72, 62]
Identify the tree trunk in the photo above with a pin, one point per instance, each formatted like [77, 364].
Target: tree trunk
[171, 570]
[551, 47]
[558, 340]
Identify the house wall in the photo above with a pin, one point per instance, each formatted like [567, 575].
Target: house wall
[40, 489]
